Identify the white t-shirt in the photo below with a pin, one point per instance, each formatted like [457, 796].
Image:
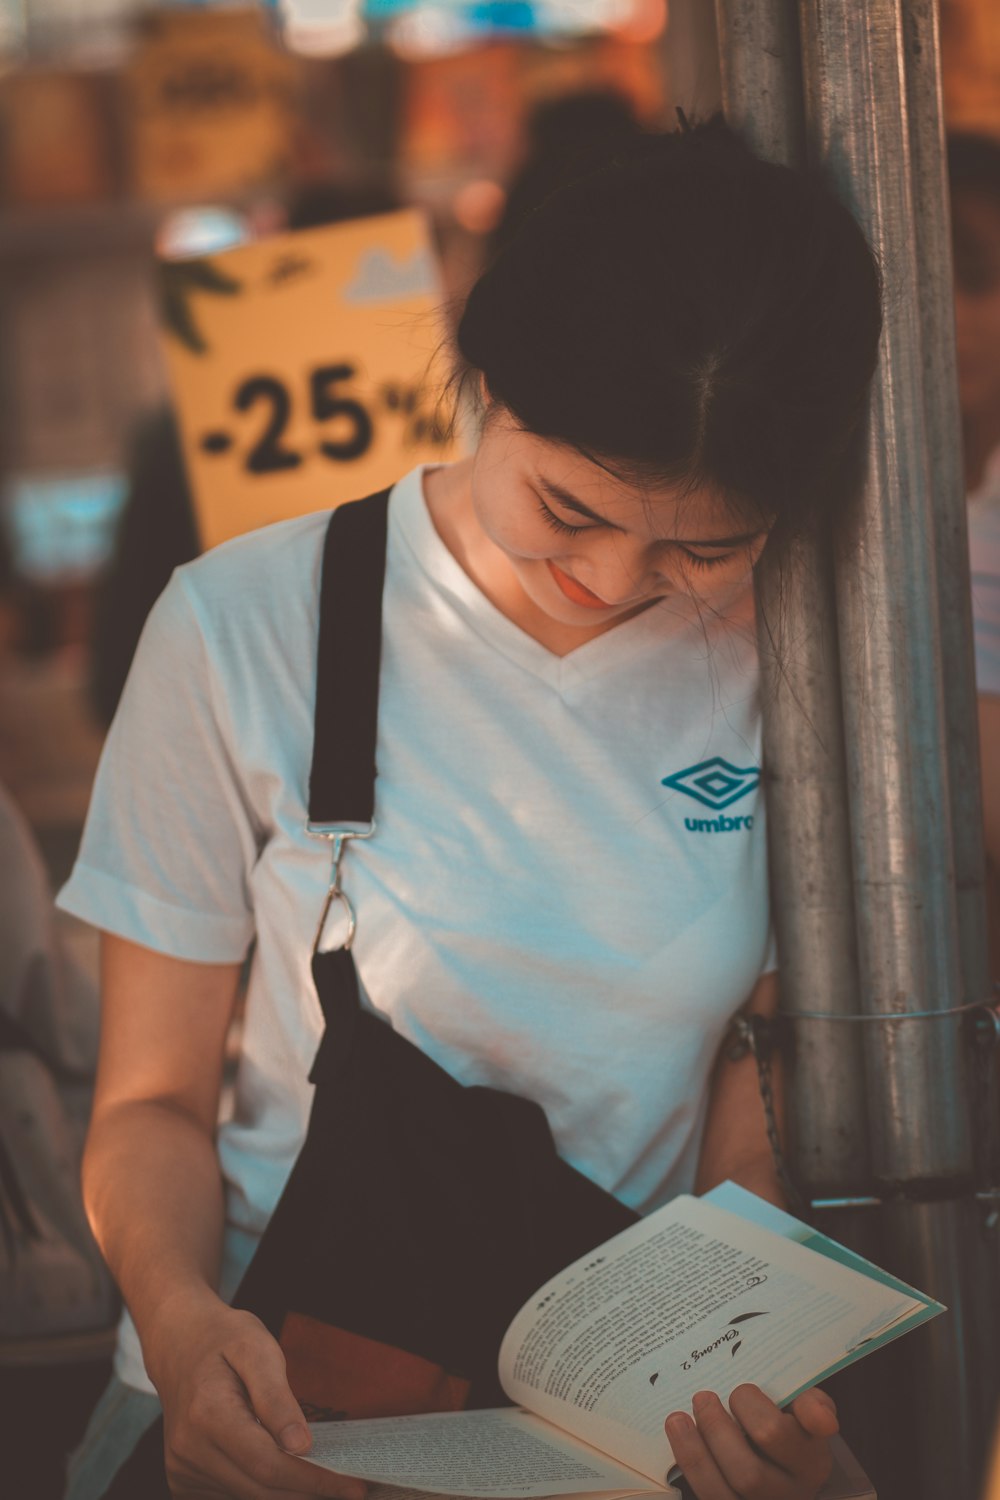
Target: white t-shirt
[984, 549]
[538, 910]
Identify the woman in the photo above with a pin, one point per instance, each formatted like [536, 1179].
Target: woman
[562, 898]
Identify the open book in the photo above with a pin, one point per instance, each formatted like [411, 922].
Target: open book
[705, 1294]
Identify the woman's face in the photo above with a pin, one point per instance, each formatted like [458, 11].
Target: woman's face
[588, 548]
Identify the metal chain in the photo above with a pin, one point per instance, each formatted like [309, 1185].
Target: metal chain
[757, 1035]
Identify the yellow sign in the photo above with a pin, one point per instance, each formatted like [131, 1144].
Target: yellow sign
[212, 104]
[305, 369]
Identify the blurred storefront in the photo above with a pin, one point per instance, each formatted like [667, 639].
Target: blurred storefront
[126, 129]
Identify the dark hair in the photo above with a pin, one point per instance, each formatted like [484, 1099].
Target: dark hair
[685, 312]
[559, 133]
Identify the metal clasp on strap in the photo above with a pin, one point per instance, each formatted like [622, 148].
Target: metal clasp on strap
[338, 838]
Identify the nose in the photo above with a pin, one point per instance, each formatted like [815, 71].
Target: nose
[621, 580]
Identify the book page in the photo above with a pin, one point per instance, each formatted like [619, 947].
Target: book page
[692, 1298]
[499, 1452]
[747, 1205]
[848, 1481]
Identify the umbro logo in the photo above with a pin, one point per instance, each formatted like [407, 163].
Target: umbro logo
[715, 783]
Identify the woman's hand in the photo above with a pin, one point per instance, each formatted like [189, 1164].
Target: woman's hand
[759, 1452]
[231, 1423]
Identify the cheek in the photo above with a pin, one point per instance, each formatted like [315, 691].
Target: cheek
[723, 584]
[515, 527]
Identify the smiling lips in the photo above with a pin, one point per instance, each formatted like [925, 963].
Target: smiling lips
[574, 591]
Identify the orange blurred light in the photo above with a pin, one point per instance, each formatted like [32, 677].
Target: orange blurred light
[647, 21]
[478, 205]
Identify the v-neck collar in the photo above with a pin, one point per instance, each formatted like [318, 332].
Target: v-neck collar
[669, 621]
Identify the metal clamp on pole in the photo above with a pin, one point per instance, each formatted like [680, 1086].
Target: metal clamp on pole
[761, 1037]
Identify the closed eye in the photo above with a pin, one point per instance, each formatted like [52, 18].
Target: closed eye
[566, 528]
[707, 562]
[558, 524]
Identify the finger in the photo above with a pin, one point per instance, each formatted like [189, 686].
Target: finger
[749, 1472]
[816, 1412]
[260, 1365]
[780, 1437]
[239, 1438]
[262, 1461]
[699, 1467]
[220, 1477]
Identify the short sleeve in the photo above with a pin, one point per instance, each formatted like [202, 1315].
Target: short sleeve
[984, 550]
[170, 837]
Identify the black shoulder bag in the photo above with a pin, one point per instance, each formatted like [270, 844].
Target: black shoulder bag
[420, 1214]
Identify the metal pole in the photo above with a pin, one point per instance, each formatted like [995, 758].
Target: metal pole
[890, 636]
[804, 768]
[860, 88]
[942, 419]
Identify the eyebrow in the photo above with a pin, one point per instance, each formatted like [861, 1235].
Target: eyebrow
[556, 492]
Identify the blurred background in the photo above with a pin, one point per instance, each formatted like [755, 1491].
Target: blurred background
[130, 132]
[126, 131]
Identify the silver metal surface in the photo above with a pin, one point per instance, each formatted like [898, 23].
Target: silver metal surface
[334, 831]
[804, 771]
[871, 95]
[808, 835]
[942, 420]
[338, 838]
[761, 75]
[887, 587]
[872, 109]
[335, 893]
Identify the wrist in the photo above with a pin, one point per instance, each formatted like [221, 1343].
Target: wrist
[181, 1318]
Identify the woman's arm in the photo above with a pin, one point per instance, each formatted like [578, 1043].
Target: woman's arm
[735, 1142]
[154, 1195]
[150, 1174]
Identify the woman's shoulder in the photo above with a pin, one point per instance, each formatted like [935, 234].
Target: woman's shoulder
[245, 611]
[262, 565]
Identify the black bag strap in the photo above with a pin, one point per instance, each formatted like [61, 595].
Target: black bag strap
[342, 778]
